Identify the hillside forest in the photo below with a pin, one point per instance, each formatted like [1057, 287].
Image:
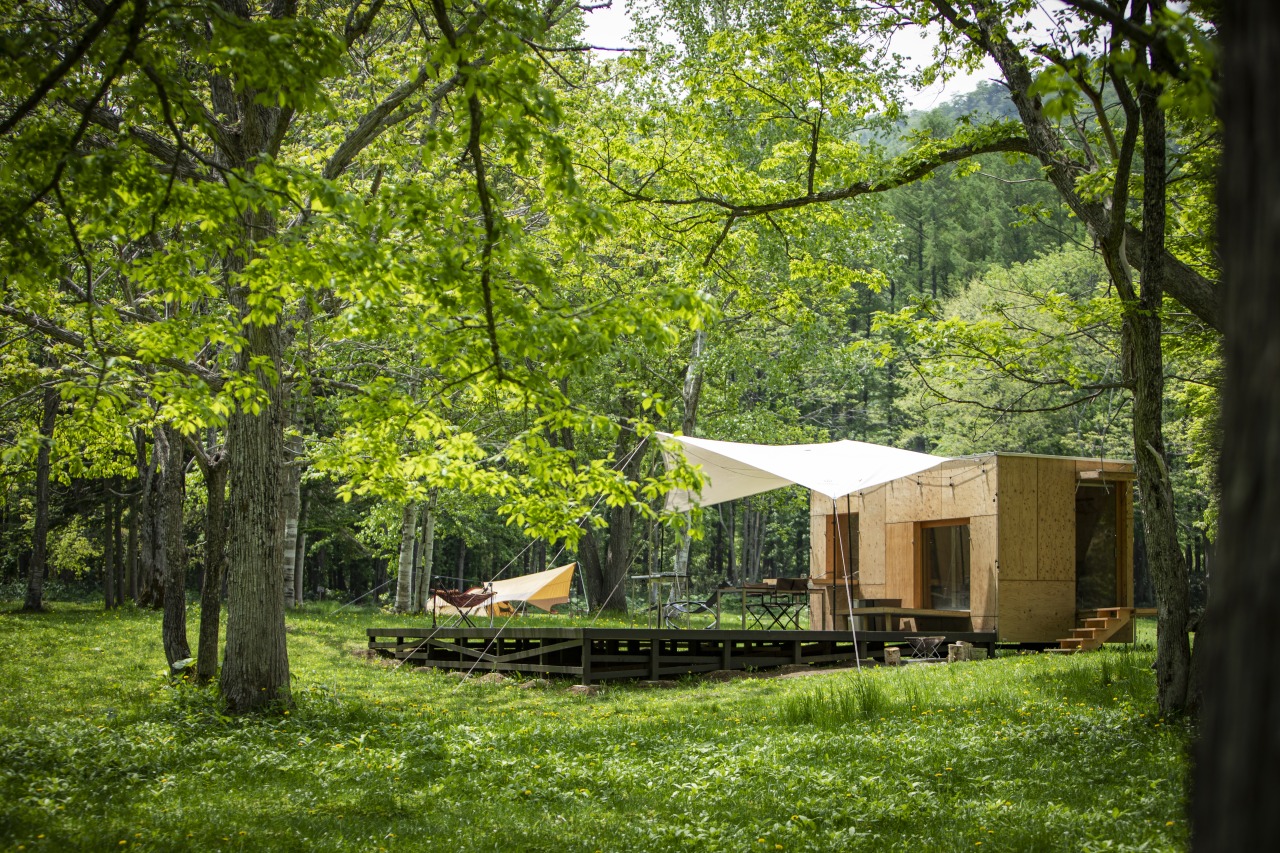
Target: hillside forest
[302, 299]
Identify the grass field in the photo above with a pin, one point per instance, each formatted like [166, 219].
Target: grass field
[99, 749]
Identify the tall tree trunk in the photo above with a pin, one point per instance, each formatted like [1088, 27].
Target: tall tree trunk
[151, 553]
[255, 670]
[214, 465]
[1175, 687]
[291, 506]
[168, 446]
[131, 561]
[300, 551]
[589, 565]
[404, 569]
[108, 551]
[691, 396]
[733, 540]
[117, 544]
[1237, 770]
[40, 535]
[428, 553]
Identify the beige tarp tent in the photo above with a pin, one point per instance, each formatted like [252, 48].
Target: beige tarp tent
[541, 589]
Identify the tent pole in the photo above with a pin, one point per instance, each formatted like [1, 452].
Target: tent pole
[848, 592]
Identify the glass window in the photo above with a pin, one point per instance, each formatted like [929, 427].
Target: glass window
[842, 547]
[945, 554]
[1096, 545]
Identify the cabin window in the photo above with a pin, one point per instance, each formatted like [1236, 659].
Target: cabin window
[842, 550]
[944, 548]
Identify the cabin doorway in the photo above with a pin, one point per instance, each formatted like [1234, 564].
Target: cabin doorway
[1097, 546]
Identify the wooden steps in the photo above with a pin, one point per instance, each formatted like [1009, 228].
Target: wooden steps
[1096, 629]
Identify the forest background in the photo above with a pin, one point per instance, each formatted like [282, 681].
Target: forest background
[304, 297]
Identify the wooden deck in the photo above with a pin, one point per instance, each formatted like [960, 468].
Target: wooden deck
[599, 654]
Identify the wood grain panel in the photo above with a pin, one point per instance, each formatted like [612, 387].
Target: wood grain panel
[871, 542]
[960, 489]
[905, 501]
[1036, 611]
[900, 563]
[818, 520]
[1056, 520]
[983, 534]
[1016, 492]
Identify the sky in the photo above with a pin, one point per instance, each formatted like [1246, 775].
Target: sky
[611, 27]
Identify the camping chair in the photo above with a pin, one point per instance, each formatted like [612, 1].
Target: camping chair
[675, 614]
[461, 601]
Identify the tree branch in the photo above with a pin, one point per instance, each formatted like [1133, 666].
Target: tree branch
[53, 77]
[57, 333]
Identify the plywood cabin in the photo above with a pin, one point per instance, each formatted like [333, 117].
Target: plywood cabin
[1026, 545]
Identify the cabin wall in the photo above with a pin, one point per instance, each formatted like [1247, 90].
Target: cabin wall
[889, 518]
[1021, 514]
[1037, 547]
[1037, 593]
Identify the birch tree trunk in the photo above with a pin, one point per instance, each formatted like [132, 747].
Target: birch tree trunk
[40, 535]
[690, 395]
[292, 508]
[300, 552]
[428, 553]
[404, 570]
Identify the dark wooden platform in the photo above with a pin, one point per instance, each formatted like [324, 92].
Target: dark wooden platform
[598, 654]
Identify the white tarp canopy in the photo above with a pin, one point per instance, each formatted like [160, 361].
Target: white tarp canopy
[835, 469]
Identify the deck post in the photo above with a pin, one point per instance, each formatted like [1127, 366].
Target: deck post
[586, 660]
[655, 650]
[726, 653]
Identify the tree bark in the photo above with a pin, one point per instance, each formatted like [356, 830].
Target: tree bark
[300, 551]
[1122, 245]
[404, 569]
[1237, 758]
[691, 396]
[117, 545]
[590, 568]
[36, 569]
[1169, 570]
[151, 554]
[131, 560]
[214, 467]
[255, 670]
[108, 552]
[168, 447]
[292, 508]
